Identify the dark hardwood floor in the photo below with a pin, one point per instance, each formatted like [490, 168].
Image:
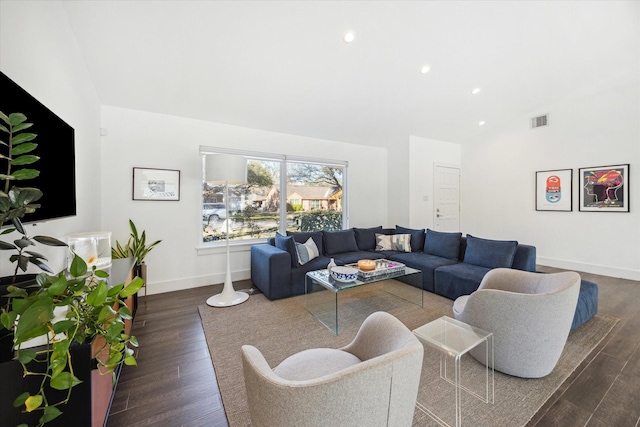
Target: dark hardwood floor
[174, 383]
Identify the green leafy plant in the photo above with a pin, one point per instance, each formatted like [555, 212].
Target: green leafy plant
[94, 311]
[136, 247]
[15, 202]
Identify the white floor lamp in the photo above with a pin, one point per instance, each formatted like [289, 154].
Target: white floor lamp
[229, 169]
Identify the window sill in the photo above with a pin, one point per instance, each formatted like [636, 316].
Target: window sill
[221, 247]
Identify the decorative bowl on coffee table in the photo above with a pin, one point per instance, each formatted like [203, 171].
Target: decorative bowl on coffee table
[344, 274]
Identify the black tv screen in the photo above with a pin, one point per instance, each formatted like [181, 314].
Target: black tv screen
[56, 150]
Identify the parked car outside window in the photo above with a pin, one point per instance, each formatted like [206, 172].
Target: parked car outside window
[214, 211]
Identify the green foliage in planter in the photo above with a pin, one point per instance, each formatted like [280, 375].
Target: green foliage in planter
[90, 303]
[15, 202]
[136, 246]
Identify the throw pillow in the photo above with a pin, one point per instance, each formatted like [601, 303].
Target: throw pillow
[443, 244]
[490, 253]
[393, 242]
[338, 242]
[307, 251]
[366, 237]
[417, 237]
[286, 243]
[303, 236]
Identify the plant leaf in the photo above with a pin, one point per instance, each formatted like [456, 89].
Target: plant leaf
[63, 326]
[98, 296]
[33, 402]
[58, 286]
[15, 119]
[130, 361]
[31, 322]
[49, 241]
[21, 126]
[78, 266]
[64, 381]
[19, 401]
[134, 286]
[24, 174]
[21, 139]
[26, 356]
[50, 413]
[24, 160]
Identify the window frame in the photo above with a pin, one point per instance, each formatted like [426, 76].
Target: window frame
[283, 159]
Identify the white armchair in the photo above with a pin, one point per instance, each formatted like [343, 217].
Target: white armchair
[372, 381]
[530, 315]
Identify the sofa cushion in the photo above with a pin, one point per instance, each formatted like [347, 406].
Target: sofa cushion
[424, 262]
[490, 253]
[337, 242]
[394, 242]
[307, 251]
[459, 279]
[417, 237]
[444, 244]
[286, 243]
[366, 237]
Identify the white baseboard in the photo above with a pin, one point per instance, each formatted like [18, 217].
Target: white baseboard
[603, 270]
[194, 282]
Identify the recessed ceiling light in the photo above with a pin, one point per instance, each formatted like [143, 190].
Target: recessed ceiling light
[425, 69]
[349, 37]
[481, 123]
[475, 91]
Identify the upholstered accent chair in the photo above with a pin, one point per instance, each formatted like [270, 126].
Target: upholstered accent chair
[373, 381]
[530, 315]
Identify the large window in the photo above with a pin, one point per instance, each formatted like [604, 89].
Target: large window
[311, 190]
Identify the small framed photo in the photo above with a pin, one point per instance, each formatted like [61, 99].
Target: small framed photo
[156, 184]
[554, 190]
[604, 188]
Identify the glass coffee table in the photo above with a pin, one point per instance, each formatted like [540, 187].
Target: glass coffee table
[323, 293]
[453, 338]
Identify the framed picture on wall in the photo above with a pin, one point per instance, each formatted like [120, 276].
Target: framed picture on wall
[156, 184]
[604, 188]
[554, 190]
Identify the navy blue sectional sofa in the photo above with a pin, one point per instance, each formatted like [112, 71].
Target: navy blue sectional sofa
[451, 264]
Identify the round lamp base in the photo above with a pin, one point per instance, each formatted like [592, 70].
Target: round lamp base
[227, 300]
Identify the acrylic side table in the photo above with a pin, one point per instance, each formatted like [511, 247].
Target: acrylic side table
[453, 338]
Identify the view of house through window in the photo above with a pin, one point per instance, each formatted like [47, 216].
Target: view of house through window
[313, 196]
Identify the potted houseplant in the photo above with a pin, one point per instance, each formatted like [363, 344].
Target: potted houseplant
[16, 202]
[136, 247]
[94, 312]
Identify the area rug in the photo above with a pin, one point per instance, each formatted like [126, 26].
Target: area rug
[283, 327]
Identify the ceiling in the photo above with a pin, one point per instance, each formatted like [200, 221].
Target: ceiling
[283, 65]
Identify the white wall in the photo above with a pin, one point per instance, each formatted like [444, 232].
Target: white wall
[423, 155]
[39, 52]
[142, 139]
[595, 128]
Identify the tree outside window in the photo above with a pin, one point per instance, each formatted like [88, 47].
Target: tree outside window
[314, 199]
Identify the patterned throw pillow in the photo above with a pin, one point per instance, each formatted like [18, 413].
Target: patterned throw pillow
[394, 242]
[307, 251]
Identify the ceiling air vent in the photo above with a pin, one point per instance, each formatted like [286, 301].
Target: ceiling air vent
[539, 121]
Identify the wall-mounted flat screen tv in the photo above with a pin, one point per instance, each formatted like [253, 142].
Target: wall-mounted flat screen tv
[56, 140]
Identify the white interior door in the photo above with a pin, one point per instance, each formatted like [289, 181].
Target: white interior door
[446, 202]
